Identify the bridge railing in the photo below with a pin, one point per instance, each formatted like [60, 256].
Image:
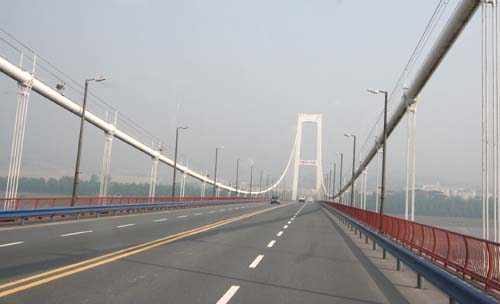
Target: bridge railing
[58, 202]
[466, 256]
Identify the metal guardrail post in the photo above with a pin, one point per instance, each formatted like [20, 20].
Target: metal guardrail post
[419, 281]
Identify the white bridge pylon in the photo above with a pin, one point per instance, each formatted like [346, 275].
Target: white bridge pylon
[318, 120]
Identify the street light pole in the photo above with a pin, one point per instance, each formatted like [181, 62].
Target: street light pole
[175, 159]
[80, 138]
[334, 175]
[325, 181]
[353, 165]
[329, 183]
[340, 176]
[384, 156]
[251, 177]
[267, 183]
[237, 173]
[272, 184]
[260, 182]
[215, 171]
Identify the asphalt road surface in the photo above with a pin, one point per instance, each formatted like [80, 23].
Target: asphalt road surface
[244, 253]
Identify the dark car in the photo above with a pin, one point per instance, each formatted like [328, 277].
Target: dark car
[275, 200]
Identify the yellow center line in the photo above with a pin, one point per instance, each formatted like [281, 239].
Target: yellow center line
[89, 260]
[113, 256]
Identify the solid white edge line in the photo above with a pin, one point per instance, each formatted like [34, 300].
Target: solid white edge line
[125, 225]
[271, 244]
[228, 295]
[256, 261]
[11, 244]
[279, 233]
[75, 233]
[160, 220]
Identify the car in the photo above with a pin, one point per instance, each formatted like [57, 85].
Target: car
[275, 200]
[302, 199]
[310, 199]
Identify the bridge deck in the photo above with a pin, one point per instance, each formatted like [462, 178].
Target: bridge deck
[313, 261]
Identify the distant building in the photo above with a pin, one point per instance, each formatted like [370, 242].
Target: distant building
[439, 190]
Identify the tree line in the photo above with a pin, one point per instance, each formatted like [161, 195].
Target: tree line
[427, 203]
[63, 186]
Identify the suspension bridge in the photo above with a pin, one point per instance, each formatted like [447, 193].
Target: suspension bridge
[231, 245]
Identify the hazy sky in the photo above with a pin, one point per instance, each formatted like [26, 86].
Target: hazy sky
[237, 73]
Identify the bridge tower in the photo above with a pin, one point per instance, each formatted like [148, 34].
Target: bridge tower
[318, 120]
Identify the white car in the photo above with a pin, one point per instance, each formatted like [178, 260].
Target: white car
[302, 199]
[310, 199]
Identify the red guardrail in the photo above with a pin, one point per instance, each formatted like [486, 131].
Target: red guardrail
[50, 202]
[466, 256]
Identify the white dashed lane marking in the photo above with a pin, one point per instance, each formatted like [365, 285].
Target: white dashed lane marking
[228, 295]
[11, 244]
[76, 233]
[126, 225]
[279, 233]
[256, 261]
[160, 220]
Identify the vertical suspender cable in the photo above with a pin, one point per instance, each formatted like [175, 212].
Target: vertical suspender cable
[103, 162]
[108, 157]
[378, 171]
[18, 140]
[13, 152]
[25, 100]
[484, 139]
[495, 116]
[408, 136]
[414, 158]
